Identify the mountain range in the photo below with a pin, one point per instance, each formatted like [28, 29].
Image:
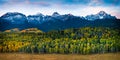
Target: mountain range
[56, 21]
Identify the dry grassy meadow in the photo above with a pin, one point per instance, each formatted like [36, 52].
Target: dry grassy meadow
[22, 56]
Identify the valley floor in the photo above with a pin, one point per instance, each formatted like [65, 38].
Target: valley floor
[23, 56]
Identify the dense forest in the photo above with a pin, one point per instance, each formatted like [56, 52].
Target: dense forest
[86, 40]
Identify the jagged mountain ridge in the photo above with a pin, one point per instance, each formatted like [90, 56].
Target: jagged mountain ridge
[100, 15]
[55, 21]
[14, 18]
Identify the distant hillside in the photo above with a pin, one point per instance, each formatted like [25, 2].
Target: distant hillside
[30, 30]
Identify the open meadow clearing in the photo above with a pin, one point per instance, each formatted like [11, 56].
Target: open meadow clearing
[22, 56]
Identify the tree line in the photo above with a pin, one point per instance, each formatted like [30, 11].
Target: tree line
[86, 40]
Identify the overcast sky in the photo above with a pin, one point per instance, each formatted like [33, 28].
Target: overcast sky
[47, 7]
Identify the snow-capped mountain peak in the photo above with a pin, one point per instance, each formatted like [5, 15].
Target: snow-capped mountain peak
[100, 15]
[14, 17]
[38, 18]
[55, 14]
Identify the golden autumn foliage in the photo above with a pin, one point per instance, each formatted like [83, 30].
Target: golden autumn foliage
[70, 41]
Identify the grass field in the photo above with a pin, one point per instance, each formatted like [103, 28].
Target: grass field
[22, 56]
